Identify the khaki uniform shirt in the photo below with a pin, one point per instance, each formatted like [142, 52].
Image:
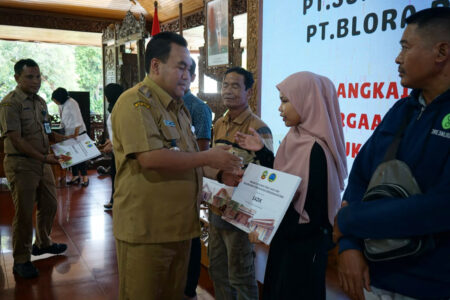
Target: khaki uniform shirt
[153, 206]
[25, 114]
[224, 130]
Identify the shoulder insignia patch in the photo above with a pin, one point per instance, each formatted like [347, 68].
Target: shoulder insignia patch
[141, 103]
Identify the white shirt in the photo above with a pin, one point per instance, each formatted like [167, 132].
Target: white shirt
[109, 126]
[71, 117]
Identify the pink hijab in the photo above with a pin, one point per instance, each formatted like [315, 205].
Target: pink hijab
[315, 100]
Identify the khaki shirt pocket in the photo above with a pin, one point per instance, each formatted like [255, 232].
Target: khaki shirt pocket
[170, 134]
[28, 122]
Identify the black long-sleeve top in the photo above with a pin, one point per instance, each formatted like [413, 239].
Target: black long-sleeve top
[316, 198]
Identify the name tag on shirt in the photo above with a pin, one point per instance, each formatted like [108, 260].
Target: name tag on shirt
[169, 123]
[47, 127]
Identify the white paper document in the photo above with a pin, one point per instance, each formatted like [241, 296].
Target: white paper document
[258, 203]
[80, 149]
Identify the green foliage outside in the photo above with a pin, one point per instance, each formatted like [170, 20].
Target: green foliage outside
[89, 70]
[75, 68]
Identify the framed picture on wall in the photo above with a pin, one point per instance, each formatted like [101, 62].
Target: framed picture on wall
[217, 32]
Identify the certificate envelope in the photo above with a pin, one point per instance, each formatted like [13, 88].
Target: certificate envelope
[80, 149]
[258, 203]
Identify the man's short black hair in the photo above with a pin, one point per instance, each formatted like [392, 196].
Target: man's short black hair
[18, 67]
[192, 68]
[248, 76]
[160, 45]
[435, 20]
[61, 95]
[112, 93]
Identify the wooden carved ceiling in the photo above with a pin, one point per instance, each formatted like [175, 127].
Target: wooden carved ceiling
[107, 9]
[78, 21]
[169, 9]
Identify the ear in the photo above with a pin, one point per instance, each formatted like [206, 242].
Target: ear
[443, 52]
[154, 66]
[16, 77]
[249, 93]
[193, 77]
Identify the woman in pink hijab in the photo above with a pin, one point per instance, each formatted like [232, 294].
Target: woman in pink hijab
[314, 150]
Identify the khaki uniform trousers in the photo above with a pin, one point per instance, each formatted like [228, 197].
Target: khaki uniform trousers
[30, 181]
[152, 271]
[231, 264]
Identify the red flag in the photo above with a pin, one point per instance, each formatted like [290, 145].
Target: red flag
[155, 24]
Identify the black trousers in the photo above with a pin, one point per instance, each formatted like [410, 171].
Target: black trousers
[79, 168]
[194, 268]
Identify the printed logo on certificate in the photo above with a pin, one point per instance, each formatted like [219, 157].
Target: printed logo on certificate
[258, 203]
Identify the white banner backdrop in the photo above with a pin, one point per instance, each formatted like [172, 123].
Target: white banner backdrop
[352, 42]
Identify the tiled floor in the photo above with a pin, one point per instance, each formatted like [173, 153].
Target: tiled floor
[88, 269]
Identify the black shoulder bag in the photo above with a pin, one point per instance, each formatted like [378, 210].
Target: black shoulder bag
[393, 178]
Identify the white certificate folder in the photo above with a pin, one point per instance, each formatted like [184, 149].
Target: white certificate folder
[258, 203]
[80, 149]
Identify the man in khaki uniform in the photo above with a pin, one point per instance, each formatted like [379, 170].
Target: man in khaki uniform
[24, 124]
[159, 175]
[230, 252]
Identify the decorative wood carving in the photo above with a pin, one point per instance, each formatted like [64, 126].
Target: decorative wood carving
[141, 57]
[109, 34]
[237, 53]
[189, 21]
[171, 26]
[201, 67]
[39, 19]
[253, 49]
[198, 18]
[130, 26]
[239, 7]
[109, 58]
[193, 20]
[126, 69]
[129, 74]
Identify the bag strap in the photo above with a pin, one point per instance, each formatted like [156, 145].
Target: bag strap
[391, 152]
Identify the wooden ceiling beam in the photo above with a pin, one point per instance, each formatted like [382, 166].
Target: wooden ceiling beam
[43, 19]
[78, 8]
